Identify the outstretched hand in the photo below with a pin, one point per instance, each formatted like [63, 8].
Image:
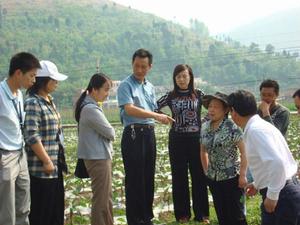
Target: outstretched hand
[164, 119]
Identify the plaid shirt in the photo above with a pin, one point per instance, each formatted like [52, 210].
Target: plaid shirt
[42, 122]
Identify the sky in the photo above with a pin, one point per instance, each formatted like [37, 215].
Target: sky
[220, 16]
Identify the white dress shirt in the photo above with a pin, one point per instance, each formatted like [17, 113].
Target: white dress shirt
[269, 157]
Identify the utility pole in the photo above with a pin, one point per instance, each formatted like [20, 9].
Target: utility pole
[0, 15]
[98, 65]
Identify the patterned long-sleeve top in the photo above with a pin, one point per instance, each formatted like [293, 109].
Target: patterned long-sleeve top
[185, 109]
[42, 123]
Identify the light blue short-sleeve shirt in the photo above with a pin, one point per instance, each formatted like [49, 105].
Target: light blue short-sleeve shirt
[140, 94]
[11, 137]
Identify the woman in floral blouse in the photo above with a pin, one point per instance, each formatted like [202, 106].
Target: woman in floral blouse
[224, 161]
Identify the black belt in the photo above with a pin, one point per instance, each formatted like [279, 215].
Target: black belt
[138, 126]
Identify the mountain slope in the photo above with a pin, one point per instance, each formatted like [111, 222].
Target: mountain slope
[81, 35]
[282, 30]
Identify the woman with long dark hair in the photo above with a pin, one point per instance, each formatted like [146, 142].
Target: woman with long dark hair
[185, 104]
[95, 136]
[46, 160]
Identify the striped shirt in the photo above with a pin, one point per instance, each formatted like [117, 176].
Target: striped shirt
[42, 122]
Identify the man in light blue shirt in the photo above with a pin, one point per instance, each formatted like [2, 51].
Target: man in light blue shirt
[14, 176]
[137, 102]
[139, 94]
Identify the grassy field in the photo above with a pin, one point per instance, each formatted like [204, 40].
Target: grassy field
[78, 191]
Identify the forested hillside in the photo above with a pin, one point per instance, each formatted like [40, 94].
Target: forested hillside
[79, 35]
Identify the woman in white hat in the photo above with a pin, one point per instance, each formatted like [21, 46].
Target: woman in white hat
[46, 161]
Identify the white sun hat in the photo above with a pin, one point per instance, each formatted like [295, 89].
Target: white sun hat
[49, 69]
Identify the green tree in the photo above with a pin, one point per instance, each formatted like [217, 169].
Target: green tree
[270, 49]
[199, 28]
[253, 48]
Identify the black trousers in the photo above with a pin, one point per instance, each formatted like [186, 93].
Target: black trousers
[139, 155]
[47, 201]
[185, 156]
[228, 201]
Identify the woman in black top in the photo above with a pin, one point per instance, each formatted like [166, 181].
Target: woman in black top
[185, 104]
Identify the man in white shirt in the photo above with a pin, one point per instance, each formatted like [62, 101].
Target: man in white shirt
[14, 176]
[270, 161]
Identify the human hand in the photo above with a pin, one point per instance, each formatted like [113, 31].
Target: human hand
[265, 108]
[48, 167]
[251, 190]
[242, 181]
[171, 120]
[164, 119]
[270, 205]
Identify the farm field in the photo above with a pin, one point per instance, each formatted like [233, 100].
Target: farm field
[78, 192]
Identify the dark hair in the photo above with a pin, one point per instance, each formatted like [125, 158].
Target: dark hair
[224, 104]
[297, 93]
[23, 61]
[270, 84]
[178, 69]
[142, 53]
[96, 82]
[243, 102]
[40, 82]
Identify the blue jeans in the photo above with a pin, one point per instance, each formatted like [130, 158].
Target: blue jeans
[287, 211]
